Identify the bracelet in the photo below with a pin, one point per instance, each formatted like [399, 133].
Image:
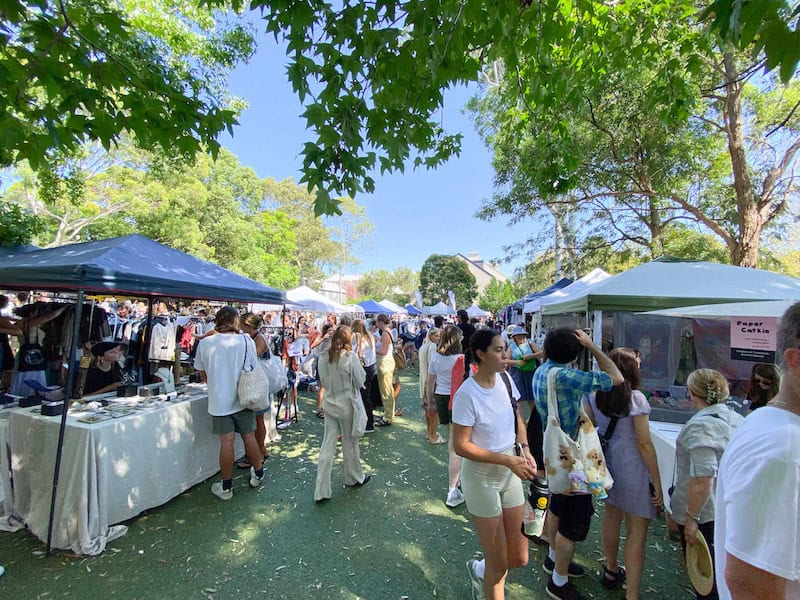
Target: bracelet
[692, 517]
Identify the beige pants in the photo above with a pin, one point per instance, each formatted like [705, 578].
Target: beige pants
[338, 422]
[386, 385]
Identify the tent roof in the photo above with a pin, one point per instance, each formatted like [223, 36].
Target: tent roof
[593, 277]
[561, 283]
[307, 299]
[438, 309]
[767, 308]
[413, 310]
[477, 311]
[667, 284]
[395, 307]
[133, 265]
[374, 308]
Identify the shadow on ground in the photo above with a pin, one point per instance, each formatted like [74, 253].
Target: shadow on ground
[392, 539]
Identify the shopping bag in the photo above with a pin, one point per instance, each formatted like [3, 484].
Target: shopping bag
[573, 466]
[253, 385]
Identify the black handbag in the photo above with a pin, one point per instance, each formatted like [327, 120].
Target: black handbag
[31, 358]
[606, 437]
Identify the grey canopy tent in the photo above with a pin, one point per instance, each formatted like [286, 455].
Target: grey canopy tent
[131, 265]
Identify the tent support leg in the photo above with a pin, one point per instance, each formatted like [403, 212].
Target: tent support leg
[71, 376]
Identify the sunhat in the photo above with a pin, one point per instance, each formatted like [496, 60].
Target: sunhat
[699, 565]
[101, 348]
[519, 331]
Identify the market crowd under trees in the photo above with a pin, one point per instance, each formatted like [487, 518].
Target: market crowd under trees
[674, 125]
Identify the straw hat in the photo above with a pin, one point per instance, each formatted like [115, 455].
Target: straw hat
[699, 565]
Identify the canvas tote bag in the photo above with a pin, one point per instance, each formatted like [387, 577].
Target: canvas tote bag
[253, 386]
[573, 466]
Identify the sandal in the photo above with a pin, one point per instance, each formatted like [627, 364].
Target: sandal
[398, 412]
[613, 580]
[381, 422]
[438, 440]
[321, 413]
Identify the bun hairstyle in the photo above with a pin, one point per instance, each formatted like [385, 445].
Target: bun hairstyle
[708, 385]
[227, 319]
[252, 320]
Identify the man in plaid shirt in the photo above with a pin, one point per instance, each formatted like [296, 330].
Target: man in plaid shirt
[568, 517]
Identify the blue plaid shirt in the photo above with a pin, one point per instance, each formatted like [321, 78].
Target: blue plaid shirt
[571, 386]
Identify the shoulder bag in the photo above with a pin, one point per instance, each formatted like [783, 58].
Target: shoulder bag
[253, 385]
[31, 355]
[399, 357]
[573, 466]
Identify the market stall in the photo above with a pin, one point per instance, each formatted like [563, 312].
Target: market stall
[370, 307]
[130, 265]
[304, 298]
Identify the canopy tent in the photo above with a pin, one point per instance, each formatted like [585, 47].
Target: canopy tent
[561, 283]
[374, 308]
[304, 298]
[413, 310]
[476, 312]
[594, 277]
[767, 308]
[438, 309]
[667, 284]
[395, 308]
[133, 265]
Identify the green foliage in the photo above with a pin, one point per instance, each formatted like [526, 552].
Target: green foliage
[18, 226]
[497, 295]
[442, 273]
[761, 25]
[398, 286]
[97, 69]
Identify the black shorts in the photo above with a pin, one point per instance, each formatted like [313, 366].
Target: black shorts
[574, 515]
[442, 403]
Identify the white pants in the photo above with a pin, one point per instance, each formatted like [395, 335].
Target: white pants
[338, 422]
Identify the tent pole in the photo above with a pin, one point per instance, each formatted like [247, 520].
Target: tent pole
[76, 335]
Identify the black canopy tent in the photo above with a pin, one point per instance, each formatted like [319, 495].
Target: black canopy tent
[131, 265]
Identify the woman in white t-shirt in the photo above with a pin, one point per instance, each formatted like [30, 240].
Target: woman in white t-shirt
[440, 370]
[487, 430]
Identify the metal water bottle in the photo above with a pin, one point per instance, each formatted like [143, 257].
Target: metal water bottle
[539, 500]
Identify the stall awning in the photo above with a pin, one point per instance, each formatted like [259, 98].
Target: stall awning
[133, 265]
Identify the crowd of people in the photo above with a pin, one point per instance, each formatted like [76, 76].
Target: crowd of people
[496, 395]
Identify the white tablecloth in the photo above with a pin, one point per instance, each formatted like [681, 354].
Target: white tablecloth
[664, 436]
[110, 471]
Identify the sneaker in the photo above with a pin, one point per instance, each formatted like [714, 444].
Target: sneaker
[612, 580]
[216, 489]
[369, 430]
[454, 498]
[477, 582]
[575, 570]
[255, 480]
[565, 592]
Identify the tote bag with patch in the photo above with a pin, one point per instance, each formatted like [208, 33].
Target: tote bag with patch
[573, 466]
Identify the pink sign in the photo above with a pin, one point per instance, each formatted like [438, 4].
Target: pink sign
[754, 338]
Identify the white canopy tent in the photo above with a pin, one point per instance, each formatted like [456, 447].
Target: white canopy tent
[477, 312]
[304, 298]
[396, 309]
[668, 284]
[578, 286]
[438, 309]
[767, 308]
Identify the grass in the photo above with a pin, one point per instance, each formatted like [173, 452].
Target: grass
[392, 539]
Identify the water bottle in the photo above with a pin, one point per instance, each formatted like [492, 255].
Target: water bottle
[536, 510]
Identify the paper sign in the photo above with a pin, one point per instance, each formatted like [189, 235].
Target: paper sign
[754, 338]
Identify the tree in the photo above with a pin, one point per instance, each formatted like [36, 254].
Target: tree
[17, 226]
[85, 70]
[397, 286]
[440, 274]
[620, 150]
[497, 295]
[318, 252]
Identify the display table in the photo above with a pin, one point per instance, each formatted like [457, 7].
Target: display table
[111, 471]
[664, 436]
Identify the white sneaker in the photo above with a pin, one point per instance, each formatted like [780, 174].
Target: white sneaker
[216, 489]
[477, 582]
[255, 481]
[454, 498]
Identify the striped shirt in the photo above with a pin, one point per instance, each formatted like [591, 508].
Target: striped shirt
[571, 386]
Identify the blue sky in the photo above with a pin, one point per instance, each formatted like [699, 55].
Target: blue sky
[415, 214]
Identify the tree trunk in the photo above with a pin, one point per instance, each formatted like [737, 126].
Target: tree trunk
[745, 251]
